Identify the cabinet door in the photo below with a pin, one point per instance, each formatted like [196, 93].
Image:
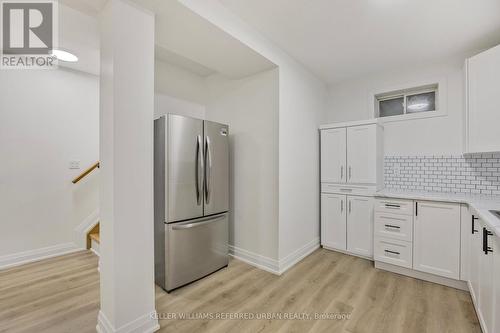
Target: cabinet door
[333, 155]
[483, 90]
[362, 154]
[436, 244]
[496, 284]
[360, 225]
[333, 221]
[475, 249]
[486, 285]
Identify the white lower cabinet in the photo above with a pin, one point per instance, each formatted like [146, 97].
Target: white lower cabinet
[393, 232]
[484, 277]
[496, 284]
[347, 223]
[486, 286]
[393, 251]
[436, 238]
[475, 254]
[360, 225]
[333, 221]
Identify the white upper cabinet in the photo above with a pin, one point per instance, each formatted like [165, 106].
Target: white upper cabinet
[333, 221]
[352, 154]
[362, 154]
[360, 225]
[483, 91]
[436, 238]
[333, 154]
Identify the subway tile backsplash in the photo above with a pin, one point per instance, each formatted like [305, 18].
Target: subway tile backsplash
[470, 174]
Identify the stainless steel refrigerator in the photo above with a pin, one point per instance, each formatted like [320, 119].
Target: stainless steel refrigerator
[191, 199]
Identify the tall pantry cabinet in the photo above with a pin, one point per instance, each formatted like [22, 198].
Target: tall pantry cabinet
[351, 173]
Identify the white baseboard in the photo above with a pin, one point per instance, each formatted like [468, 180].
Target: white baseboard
[21, 258]
[348, 253]
[254, 259]
[293, 258]
[84, 228]
[147, 323]
[476, 308]
[457, 284]
[274, 266]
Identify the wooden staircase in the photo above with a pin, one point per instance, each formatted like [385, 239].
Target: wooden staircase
[93, 239]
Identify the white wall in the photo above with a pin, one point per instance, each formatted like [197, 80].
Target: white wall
[302, 103]
[179, 91]
[127, 290]
[47, 118]
[250, 107]
[179, 83]
[438, 135]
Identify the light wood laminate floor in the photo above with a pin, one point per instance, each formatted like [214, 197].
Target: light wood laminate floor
[62, 295]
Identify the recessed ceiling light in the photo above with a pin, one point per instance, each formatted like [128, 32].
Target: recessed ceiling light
[64, 55]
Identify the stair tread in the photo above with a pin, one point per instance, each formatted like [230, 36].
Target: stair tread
[95, 237]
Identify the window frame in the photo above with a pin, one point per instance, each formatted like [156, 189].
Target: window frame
[436, 85]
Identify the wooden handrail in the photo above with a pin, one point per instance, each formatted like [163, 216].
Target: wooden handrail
[86, 172]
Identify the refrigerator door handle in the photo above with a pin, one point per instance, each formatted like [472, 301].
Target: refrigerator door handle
[196, 224]
[208, 171]
[199, 168]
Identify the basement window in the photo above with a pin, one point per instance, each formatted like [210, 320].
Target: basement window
[405, 102]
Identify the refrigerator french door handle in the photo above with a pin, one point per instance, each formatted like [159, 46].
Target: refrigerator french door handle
[197, 224]
[199, 169]
[208, 170]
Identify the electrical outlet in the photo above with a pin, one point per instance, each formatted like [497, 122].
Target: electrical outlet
[74, 164]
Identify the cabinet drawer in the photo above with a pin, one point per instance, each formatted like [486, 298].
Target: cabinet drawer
[394, 226]
[348, 189]
[393, 251]
[394, 206]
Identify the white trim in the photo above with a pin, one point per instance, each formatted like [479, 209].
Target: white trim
[95, 247]
[457, 284]
[270, 265]
[147, 323]
[351, 123]
[441, 99]
[21, 258]
[84, 228]
[293, 258]
[347, 252]
[254, 259]
[476, 308]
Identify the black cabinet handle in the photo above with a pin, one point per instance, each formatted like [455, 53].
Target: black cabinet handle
[416, 208]
[473, 229]
[486, 248]
[392, 252]
[393, 205]
[392, 226]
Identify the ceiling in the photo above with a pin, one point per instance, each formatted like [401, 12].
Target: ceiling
[187, 40]
[343, 39]
[165, 55]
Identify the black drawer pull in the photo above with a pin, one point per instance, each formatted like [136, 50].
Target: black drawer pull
[473, 228]
[392, 252]
[486, 247]
[392, 226]
[393, 205]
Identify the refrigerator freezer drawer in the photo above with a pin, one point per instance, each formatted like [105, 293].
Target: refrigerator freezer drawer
[194, 249]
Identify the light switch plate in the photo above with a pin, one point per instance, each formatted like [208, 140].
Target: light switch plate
[74, 164]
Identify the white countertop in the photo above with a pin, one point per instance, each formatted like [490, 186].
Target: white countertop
[480, 203]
